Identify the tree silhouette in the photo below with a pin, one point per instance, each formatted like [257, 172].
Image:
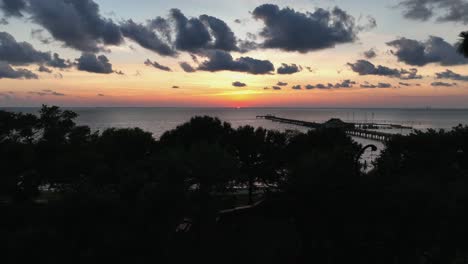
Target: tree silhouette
[463, 43]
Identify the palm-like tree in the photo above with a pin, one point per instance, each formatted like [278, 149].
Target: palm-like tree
[463, 44]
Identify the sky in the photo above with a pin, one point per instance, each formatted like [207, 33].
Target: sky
[215, 53]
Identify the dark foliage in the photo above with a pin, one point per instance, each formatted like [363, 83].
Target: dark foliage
[67, 193]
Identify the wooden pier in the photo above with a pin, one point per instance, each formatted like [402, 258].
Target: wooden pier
[352, 129]
[367, 134]
[291, 121]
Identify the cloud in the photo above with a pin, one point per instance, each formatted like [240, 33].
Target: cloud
[289, 69]
[222, 33]
[76, 23]
[191, 34]
[246, 46]
[38, 34]
[371, 24]
[23, 53]
[443, 84]
[450, 75]
[379, 85]
[175, 87]
[147, 38]
[156, 65]
[222, 61]
[205, 33]
[162, 26]
[276, 88]
[100, 95]
[47, 92]
[239, 84]
[282, 84]
[6, 71]
[363, 67]
[58, 62]
[90, 63]
[12, 7]
[370, 54]
[187, 67]
[297, 87]
[19, 53]
[43, 68]
[434, 50]
[290, 30]
[194, 58]
[423, 10]
[404, 84]
[343, 84]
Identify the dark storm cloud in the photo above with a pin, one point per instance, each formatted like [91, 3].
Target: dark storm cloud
[290, 30]
[449, 10]
[58, 62]
[97, 64]
[187, 67]
[363, 67]
[289, 69]
[297, 87]
[247, 45]
[156, 65]
[43, 68]
[19, 53]
[450, 75]
[239, 84]
[434, 50]
[379, 85]
[12, 7]
[162, 26]
[222, 61]
[223, 35]
[443, 84]
[370, 54]
[6, 71]
[204, 33]
[282, 84]
[23, 53]
[147, 38]
[191, 34]
[77, 23]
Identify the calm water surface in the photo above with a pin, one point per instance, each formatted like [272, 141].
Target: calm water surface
[159, 120]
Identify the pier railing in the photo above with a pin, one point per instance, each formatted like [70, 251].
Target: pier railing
[352, 129]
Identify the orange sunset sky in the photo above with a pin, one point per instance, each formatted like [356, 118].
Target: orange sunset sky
[270, 28]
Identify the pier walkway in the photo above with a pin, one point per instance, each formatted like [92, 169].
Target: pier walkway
[352, 129]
